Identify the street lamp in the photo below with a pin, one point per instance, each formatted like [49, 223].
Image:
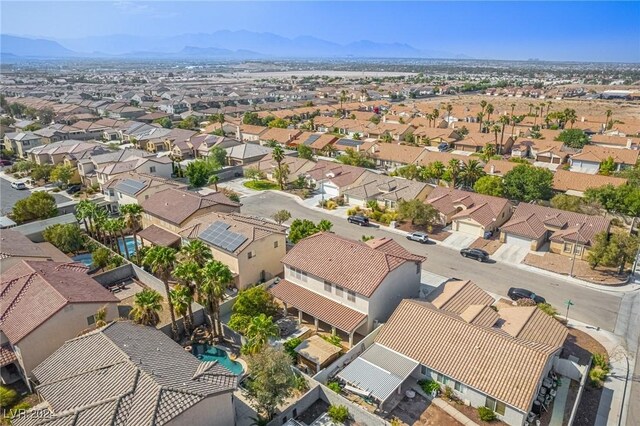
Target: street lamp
[569, 304]
[573, 260]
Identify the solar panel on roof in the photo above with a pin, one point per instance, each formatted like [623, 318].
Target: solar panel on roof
[218, 234]
[349, 142]
[311, 139]
[130, 186]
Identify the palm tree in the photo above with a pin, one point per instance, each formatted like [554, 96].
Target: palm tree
[133, 219]
[343, 98]
[100, 218]
[535, 117]
[487, 152]
[118, 226]
[216, 278]
[515, 119]
[83, 213]
[490, 110]
[259, 330]
[213, 180]
[542, 105]
[504, 120]
[471, 172]
[496, 129]
[480, 116]
[453, 171]
[608, 113]
[109, 226]
[195, 251]
[190, 275]
[530, 108]
[278, 156]
[181, 299]
[449, 108]
[483, 105]
[161, 261]
[548, 106]
[146, 307]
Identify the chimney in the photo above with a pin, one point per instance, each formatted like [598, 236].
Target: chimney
[384, 118]
[492, 170]
[629, 142]
[582, 119]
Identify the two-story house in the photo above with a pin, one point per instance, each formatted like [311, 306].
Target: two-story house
[134, 188]
[349, 285]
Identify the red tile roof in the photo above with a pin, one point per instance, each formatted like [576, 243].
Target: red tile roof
[323, 308]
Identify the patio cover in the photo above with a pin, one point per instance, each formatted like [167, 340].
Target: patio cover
[159, 236]
[379, 371]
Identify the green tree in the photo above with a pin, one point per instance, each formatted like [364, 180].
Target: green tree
[607, 167]
[273, 380]
[189, 123]
[301, 228]
[623, 199]
[252, 119]
[489, 185]
[281, 216]
[410, 171]
[181, 299]
[189, 274]
[435, 171]
[324, 225]
[527, 183]
[161, 261]
[567, 202]
[249, 303]
[418, 212]
[487, 152]
[66, 237]
[339, 414]
[573, 138]
[281, 172]
[452, 172]
[132, 214]
[198, 173]
[258, 332]
[101, 257]
[279, 123]
[195, 251]
[39, 205]
[62, 173]
[305, 152]
[41, 172]
[471, 172]
[165, 122]
[616, 250]
[356, 158]
[254, 173]
[216, 278]
[217, 158]
[146, 308]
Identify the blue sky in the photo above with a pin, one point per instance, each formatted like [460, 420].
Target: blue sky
[598, 31]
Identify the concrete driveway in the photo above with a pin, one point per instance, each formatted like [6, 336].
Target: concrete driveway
[459, 240]
[510, 253]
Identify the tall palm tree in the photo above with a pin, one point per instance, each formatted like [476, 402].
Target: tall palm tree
[542, 105]
[608, 113]
[530, 108]
[195, 251]
[490, 110]
[278, 156]
[100, 218]
[161, 261]
[504, 120]
[483, 105]
[496, 129]
[216, 278]
[453, 171]
[471, 172]
[83, 214]
[480, 117]
[259, 330]
[118, 227]
[449, 108]
[146, 307]
[213, 180]
[435, 114]
[548, 106]
[133, 219]
[535, 117]
[181, 299]
[190, 276]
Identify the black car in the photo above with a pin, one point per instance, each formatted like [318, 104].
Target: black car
[443, 147]
[522, 293]
[475, 253]
[358, 220]
[73, 189]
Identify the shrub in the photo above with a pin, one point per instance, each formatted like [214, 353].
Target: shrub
[600, 360]
[331, 205]
[486, 414]
[548, 309]
[334, 340]
[300, 383]
[8, 396]
[354, 211]
[448, 393]
[525, 302]
[429, 386]
[338, 413]
[289, 347]
[55, 190]
[598, 375]
[334, 386]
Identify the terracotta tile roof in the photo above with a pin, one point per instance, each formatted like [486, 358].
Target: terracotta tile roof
[481, 315]
[323, 308]
[565, 180]
[340, 175]
[532, 221]
[159, 236]
[372, 185]
[483, 209]
[458, 296]
[598, 154]
[499, 167]
[614, 141]
[177, 205]
[351, 264]
[531, 324]
[282, 136]
[7, 356]
[429, 157]
[31, 292]
[486, 359]
[403, 154]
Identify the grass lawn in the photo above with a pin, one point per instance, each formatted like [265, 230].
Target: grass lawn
[260, 185]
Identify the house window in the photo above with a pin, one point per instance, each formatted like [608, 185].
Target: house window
[440, 378]
[351, 296]
[567, 247]
[497, 406]
[459, 387]
[424, 370]
[275, 244]
[296, 273]
[339, 291]
[327, 286]
[152, 169]
[91, 320]
[251, 254]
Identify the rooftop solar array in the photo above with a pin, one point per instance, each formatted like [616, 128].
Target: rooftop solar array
[349, 142]
[311, 139]
[130, 186]
[218, 234]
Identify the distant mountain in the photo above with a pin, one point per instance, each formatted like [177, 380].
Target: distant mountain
[28, 47]
[220, 44]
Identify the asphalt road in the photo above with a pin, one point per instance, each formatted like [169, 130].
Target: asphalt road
[591, 306]
[9, 196]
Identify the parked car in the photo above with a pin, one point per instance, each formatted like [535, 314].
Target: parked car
[475, 253]
[521, 293]
[358, 220]
[4, 163]
[420, 237]
[18, 185]
[73, 189]
[443, 147]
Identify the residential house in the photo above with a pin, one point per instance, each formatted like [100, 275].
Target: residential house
[569, 233]
[297, 167]
[468, 212]
[332, 179]
[15, 247]
[250, 133]
[386, 190]
[548, 151]
[457, 340]
[156, 166]
[318, 142]
[346, 284]
[620, 142]
[131, 374]
[283, 137]
[591, 157]
[251, 247]
[393, 155]
[71, 150]
[42, 304]
[475, 142]
[172, 208]
[21, 142]
[134, 188]
[343, 144]
[572, 183]
[499, 167]
[246, 153]
[199, 145]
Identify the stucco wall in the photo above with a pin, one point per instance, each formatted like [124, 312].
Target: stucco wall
[213, 411]
[267, 259]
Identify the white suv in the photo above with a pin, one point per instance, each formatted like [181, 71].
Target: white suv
[420, 237]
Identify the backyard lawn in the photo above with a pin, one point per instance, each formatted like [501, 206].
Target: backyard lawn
[260, 185]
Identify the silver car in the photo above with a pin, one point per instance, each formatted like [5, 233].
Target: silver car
[420, 237]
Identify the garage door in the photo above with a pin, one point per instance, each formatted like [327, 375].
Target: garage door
[518, 241]
[469, 228]
[330, 190]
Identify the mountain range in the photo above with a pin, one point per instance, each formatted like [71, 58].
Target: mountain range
[220, 44]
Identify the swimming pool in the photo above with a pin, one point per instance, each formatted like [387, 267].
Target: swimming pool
[130, 244]
[211, 353]
[85, 258]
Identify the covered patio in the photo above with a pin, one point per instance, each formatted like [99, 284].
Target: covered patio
[378, 373]
[157, 236]
[339, 317]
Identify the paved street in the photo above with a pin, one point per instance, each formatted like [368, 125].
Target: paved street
[591, 306]
[9, 196]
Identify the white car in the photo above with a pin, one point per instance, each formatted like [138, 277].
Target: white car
[18, 185]
[420, 237]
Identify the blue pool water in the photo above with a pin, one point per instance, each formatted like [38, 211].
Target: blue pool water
[85, 258]
[211, 353]
[131, 245]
